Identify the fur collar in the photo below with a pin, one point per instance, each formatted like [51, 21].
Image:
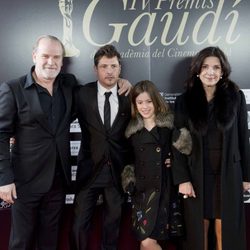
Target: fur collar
[136, 124]
[182, 141]
[225, 106]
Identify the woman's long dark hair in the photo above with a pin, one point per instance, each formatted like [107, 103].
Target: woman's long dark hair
[197, 62]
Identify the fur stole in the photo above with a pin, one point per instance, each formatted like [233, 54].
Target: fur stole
[225, 106]
[162, 120]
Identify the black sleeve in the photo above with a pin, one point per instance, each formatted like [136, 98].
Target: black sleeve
[8, 112]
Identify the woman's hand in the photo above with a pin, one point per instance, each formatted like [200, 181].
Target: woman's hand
[186, 188]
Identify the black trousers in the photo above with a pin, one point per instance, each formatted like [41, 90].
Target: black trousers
[85, 207]
[36, 217]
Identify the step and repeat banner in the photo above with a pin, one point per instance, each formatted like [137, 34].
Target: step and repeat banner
[156, 39]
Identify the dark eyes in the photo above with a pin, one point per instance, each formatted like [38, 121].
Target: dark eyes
[104, 66]
[206, 67]
[141, 102]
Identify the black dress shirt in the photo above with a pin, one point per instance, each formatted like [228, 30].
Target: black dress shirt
[53, 106]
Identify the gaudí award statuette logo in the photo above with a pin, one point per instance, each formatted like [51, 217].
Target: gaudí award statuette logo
[66, 8]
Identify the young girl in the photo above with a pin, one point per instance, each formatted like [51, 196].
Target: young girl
[150, 131]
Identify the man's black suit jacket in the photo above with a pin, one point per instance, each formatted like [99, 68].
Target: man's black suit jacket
[33, 157]
[97, 145]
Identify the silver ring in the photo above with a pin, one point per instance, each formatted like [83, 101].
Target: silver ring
[185, 196]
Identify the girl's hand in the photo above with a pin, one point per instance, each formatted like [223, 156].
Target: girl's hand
[168, 163]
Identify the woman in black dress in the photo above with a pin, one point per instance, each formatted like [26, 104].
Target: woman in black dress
[213, 177]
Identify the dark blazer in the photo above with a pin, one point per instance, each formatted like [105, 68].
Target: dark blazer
[97, 145]
[33, 158]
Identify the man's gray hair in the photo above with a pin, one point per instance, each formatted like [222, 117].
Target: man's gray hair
[50, 37]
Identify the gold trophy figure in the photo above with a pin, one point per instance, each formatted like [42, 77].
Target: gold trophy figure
[66, 8]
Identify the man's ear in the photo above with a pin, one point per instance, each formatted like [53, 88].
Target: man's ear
[120, 67]
[34, 57]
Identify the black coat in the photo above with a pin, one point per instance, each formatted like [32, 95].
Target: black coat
[33, 161]
[152, 175]
[231, 118]
[96, 143]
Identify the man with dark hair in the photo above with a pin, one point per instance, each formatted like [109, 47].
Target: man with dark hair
[103, 116]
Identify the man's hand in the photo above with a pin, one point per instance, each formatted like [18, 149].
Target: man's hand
[124, 86]
[246, 186]
[8, 193]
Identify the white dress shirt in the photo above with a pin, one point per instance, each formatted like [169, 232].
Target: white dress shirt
[113, 100]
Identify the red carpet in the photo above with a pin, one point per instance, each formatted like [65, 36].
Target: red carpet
[126, 241]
